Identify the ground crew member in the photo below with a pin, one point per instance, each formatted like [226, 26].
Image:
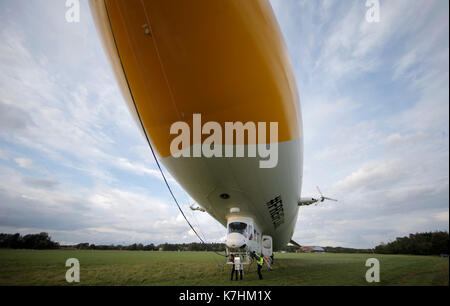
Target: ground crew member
[238, 266]
[233, 269]
[259, 261]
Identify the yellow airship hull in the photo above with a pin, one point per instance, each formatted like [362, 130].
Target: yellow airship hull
[225, 60]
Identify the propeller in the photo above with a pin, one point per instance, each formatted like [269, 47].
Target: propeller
[323, 198]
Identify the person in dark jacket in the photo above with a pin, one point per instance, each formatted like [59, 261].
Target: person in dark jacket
[233, 269]
[259, 260]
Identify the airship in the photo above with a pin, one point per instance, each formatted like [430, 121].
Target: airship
[224, 62]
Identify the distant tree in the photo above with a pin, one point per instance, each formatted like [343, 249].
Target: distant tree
[132, 247]
[13, 241]
[149, 247]
[345, 250]
[30, 241]
[430, 243]
[82, 246]
[440, 243]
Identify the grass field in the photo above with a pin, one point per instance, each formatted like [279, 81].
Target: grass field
[32, 267]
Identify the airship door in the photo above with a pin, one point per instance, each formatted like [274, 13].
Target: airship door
[267, 246]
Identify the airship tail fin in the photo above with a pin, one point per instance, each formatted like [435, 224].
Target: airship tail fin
[295, 243]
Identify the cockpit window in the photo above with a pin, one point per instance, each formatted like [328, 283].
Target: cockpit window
[237, 227]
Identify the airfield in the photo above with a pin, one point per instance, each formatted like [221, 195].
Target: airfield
[144, 268]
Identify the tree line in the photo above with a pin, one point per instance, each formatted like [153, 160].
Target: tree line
[43, 241]
[429, 243]
[208, 247]
[39, 241]
[330, 249]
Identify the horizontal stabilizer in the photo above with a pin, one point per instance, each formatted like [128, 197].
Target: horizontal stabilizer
[295, 243]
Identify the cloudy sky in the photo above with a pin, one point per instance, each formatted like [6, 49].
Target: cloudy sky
[375, 99]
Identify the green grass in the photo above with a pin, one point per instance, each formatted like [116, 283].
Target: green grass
[32, 267]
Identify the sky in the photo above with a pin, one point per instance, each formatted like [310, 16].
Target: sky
[375, 104]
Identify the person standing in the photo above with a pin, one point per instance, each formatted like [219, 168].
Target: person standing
[259, 261]
[239, 266]
[233, 269]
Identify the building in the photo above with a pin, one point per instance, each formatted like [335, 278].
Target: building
[318, 249]
[312, 249]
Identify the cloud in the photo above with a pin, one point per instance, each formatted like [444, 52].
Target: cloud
[40, 182]
[102, 214]
[12, 118]
[83, 181]
[24, 162]
[375, 110]
[140, 168]
[370, 175]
